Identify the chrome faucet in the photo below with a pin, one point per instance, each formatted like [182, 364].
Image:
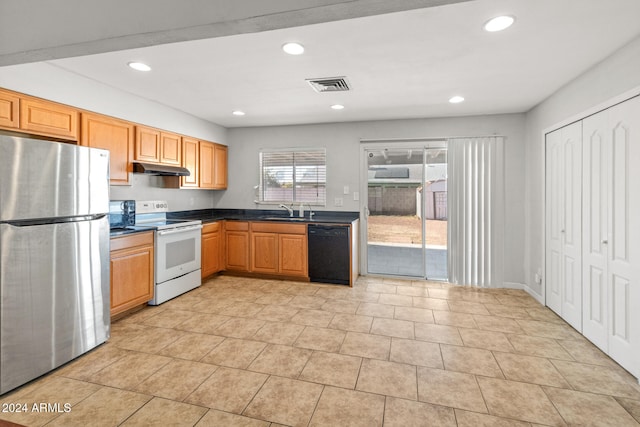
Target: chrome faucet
[287, 208]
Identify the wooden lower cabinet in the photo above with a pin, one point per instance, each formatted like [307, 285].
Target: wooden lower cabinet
[292, 254]
[132, 279]
[264, 252]
[211, 249]
[278, 248]
[237, 245]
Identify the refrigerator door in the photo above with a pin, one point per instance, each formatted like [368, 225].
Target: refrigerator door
[54, 294]
[44, 179]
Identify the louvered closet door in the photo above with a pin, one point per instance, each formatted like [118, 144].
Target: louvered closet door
[613, 251]
[564, 219]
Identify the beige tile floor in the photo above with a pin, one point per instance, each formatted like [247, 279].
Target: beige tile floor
[251, 352]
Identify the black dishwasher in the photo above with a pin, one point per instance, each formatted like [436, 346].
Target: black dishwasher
[329, 253]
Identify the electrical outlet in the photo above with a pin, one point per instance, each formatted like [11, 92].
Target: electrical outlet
[346, 189]
[337, 201]
[356, 196]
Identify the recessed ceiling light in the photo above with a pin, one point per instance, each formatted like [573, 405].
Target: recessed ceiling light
[337, 107]
[238, 113]
[293, 48]
[456, 99]
[139, 66]
[499, 23]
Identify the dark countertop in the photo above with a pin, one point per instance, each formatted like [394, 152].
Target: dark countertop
[279, 215]
[117, 232]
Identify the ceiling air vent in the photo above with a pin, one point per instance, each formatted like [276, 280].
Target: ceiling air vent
[329, 84]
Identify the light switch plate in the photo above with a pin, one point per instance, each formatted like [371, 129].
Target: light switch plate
[337, 201]
[356, 195]
[346, 189]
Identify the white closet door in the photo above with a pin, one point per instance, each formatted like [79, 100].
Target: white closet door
[596, 206]
[564, 219]
[554, 221]
[611, 218]
[624, 235]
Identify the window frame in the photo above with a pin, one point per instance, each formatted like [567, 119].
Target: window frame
[295, 185]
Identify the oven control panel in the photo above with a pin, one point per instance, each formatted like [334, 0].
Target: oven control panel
[152, 206]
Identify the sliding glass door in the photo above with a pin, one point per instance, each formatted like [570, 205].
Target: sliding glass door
[406, 206]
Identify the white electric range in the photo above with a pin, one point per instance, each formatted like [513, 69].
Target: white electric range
[177, 250]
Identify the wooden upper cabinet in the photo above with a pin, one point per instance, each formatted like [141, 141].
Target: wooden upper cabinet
[190, 160]
[213, 166]
[114, 135]
[155, 146]
[170, 148]
[147, 145]
[9, 110]
[207, 153]
[48, 118]
[220, 167]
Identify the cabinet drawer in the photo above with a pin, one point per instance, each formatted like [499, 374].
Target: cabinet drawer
[236, 226]
[211, 227]
[272, 227]
[131, 240]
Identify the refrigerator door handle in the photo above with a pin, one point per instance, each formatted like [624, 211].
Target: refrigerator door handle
[43, 221]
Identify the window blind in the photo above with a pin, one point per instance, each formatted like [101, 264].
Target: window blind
[293, 176]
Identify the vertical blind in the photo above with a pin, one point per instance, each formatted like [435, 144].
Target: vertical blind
[293, 176]
[476, 211]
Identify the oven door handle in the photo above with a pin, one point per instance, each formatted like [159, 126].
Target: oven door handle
[179, 230]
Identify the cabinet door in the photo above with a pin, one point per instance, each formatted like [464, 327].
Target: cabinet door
[292, 254]
[220, 167]
[170, 148]
[564, 223]
[114, 135]
[211, 253]
[207, 153]
[237, 246]
[131, 278]
[9, 109]
[190, 160]
[264, 252]
[147, 145]
[48, 118]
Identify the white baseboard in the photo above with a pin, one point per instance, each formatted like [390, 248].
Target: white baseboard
[513, 285]
[534, 294]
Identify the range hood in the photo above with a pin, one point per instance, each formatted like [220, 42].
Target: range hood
[162, 170]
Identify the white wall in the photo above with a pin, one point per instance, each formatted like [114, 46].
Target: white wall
[617, 74]
[53, 83]
[343, 162]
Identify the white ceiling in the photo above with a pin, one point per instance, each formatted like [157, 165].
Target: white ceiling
[401, 65]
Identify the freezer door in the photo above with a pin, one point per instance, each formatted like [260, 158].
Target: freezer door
[44, 179]
[54, 293]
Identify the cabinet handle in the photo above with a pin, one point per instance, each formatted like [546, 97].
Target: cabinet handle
[562, 231]
[605, 241]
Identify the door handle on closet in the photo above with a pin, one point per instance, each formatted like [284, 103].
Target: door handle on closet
[604, 241]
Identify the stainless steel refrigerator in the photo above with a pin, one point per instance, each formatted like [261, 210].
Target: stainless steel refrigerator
[54, 255]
